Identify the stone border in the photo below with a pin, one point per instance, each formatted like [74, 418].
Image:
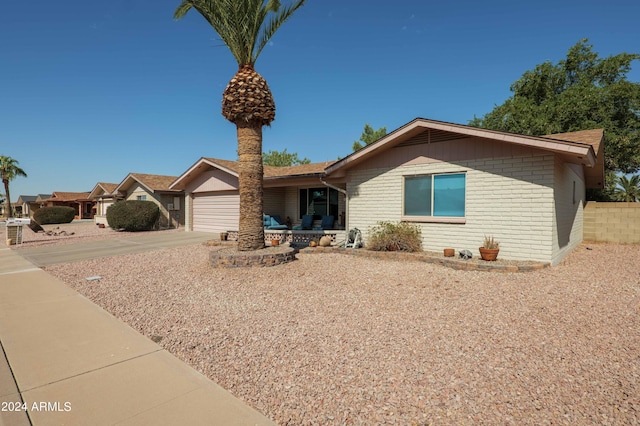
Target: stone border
[220, 257]
[453, 263]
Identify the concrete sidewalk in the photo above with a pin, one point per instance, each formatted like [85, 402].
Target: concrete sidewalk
[64, 360]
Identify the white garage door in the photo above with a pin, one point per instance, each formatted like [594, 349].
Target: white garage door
[216, 211]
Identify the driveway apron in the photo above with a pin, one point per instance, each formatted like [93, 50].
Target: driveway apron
[77, 251]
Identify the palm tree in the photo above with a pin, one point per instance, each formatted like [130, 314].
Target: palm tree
[247, 101]
[10, 170]
[627, 189]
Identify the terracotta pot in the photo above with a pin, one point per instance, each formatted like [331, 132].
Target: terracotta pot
[488, 254]
[275, 242]
[101, 225]
[313, 244]
[449, 252]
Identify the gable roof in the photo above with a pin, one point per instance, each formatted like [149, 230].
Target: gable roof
[68, 196]
[594, 176]
[102, 189]
[26, 199]
[233, 168]
[152, 183]
[576, 147]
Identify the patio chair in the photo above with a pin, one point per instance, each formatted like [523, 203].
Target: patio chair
[273, 222]
[307, 223]
[327, 223]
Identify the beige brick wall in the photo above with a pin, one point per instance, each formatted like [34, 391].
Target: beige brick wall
[568, 197]
[612, 222]
[509, 198]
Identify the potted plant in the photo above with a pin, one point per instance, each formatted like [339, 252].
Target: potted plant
[490, 248]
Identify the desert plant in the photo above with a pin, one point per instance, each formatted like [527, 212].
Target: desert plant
[490, 243]
[133, 215]
[54, 214]
[401, 236]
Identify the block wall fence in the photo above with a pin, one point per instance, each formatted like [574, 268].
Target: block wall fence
[612, 222]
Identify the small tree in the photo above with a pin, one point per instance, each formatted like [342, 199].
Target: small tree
[283, 159]
[9, 170]
[369, 136]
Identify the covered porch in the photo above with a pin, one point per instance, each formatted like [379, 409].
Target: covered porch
[296, 237]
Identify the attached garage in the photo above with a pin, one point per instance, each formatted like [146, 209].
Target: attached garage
[216, 211]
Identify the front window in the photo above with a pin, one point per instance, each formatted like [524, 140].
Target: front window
[141, 197]
[319, 202]
[435, 195]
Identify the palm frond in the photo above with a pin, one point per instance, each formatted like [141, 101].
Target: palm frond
[241, 24]
[270, 29]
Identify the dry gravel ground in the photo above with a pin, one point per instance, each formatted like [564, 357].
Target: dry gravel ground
[332, 339]
[75, 231]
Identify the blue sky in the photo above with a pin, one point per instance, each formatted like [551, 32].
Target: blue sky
[91, 91]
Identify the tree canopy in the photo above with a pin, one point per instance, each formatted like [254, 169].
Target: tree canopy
[581, 92]
[283, 158]
[369, 136]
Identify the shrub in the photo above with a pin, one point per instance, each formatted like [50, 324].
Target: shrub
[401, 236]
[133, 215]
[54, 214]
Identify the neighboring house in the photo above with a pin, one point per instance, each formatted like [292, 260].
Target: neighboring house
[213, 200]
[457, 183]
[26, 205]
[460, 183]
[40, 199]
[146, 187]
[80, 201]
[104, 195]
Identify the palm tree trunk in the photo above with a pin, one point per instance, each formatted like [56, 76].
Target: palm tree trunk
[251, 231]
[8, 201]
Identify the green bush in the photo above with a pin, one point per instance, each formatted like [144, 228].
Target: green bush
[133, 215]
[54, 214]
[401, 236]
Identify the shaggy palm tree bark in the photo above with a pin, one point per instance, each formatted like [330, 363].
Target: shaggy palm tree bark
[5, 181]
[251, 231]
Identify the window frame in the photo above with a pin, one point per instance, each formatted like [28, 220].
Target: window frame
[431, 218]
[307, 191]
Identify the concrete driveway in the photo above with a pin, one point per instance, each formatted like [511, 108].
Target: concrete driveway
[77, 251]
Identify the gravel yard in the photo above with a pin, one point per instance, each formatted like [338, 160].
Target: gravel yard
[334, 339]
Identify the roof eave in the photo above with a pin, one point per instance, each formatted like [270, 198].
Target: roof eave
[418, 125]
[191, 173]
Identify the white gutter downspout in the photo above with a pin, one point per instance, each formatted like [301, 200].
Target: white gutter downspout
[346, 201]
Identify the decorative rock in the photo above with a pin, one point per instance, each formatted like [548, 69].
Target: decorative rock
[325, 241]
